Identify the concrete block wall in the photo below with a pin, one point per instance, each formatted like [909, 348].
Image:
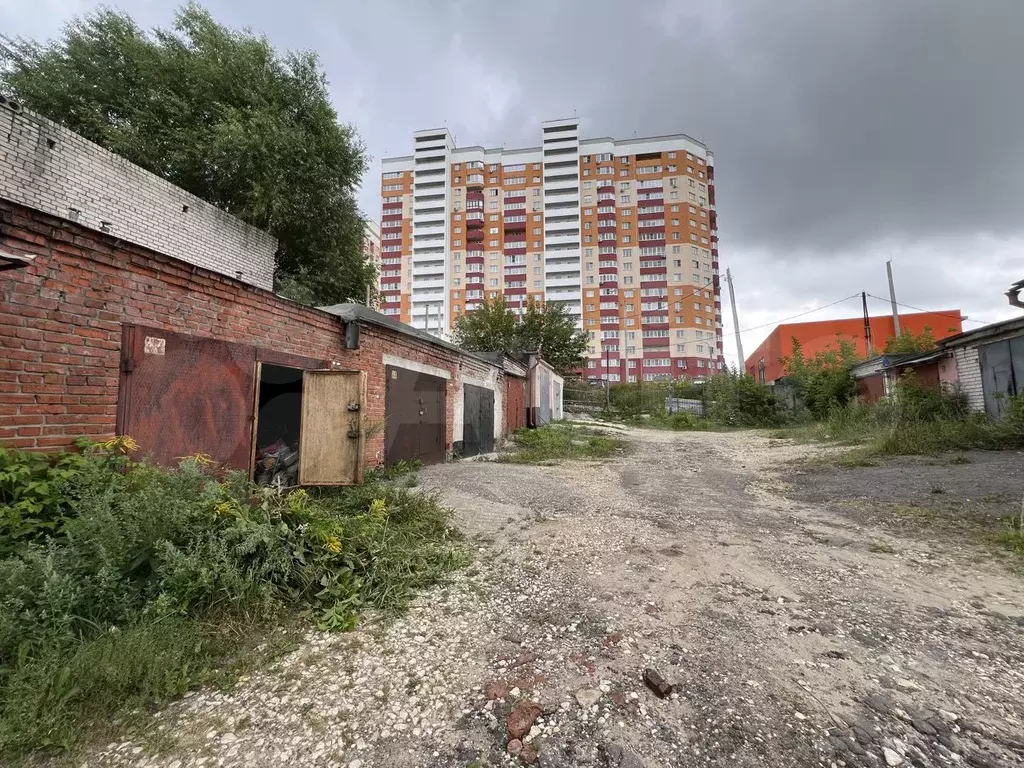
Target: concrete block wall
[51, 169]
[61, 319]
[968, 368]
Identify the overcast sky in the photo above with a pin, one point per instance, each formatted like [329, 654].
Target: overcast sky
[844, 133]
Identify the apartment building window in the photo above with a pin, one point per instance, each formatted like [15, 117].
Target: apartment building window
[627, 280]
[627, 252]
[625, 199]
[623, 172]
[588, 239]
[627, 265]
[626, 239]
[630, 321]
[587, 198]
[392, 187]
[538, 283]
[536, 180]
[627, 294]
[492, 268]
[536, 243]
[537, 257]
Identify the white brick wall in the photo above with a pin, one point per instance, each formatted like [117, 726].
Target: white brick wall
[52, 169]
[968, 369]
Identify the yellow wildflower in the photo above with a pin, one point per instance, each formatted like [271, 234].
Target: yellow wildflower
[333, 544]
[225, 508]
[378, 508]
[122, 443]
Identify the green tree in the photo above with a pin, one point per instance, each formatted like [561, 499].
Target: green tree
[824, 380]
[544, 328]
[907, 342]
[491, 328]
[220, 113]
[738, 400]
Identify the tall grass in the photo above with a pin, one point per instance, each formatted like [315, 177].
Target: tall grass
[558, 442]
[921, 421]
[155, 581]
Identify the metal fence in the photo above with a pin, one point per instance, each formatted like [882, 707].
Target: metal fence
[684, 405]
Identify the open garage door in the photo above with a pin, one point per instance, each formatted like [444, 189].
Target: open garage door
[181, 395]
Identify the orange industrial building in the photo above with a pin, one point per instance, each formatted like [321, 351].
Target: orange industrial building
[765, 364]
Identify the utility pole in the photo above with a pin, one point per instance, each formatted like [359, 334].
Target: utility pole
[607, 380]
[892, 299]
[736, 322]
[867, 322]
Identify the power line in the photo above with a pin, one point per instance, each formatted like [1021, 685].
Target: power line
[931, 312]
[793, 317]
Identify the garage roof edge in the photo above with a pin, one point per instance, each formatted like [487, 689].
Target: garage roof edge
[349, 313]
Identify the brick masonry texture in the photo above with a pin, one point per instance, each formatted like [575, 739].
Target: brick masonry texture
[52, 169]
[968, 367]
[61, 320]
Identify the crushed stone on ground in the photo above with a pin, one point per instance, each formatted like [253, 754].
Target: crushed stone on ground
[790, 634]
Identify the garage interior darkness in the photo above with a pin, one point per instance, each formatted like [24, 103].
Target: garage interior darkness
[278, 423]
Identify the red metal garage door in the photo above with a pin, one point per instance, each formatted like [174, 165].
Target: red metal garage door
[515, 403]
[181, 395]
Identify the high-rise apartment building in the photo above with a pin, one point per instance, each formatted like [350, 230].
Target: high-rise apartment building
[623, 233]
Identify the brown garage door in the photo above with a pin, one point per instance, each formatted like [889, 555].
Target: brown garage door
[414, 417]
[181, 395]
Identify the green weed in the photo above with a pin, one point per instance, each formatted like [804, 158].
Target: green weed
[557, 442]
[151, 582]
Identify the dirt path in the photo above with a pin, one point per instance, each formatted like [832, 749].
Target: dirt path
[794, 635]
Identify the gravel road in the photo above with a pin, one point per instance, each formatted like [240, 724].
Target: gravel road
[793, 634]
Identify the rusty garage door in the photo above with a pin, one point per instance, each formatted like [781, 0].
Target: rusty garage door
[181, 395]
[414, 408]
[477, 421]
[515, 403]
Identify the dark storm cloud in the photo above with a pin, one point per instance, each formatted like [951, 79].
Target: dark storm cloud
[844, 132]
[833, 122]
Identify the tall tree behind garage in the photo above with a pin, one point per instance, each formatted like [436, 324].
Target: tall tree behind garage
[221, 114]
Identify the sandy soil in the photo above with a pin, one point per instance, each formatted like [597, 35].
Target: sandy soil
[798, 625]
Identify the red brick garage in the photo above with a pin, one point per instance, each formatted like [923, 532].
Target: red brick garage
[64, 317]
